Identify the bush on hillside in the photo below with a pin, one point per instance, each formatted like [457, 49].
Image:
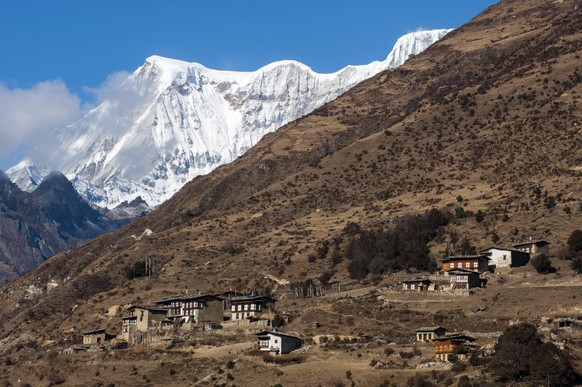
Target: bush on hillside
[575, 240]
[576, 264]
[522, 357]
[542, 264]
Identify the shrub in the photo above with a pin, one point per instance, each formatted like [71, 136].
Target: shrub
[479, 216]
[575, 240]
[406, 355]
[576, 264]
[542, 264]
[388, 351]
[55, 378]
[521, 356]
[326, 276]
[419, 380]
[459, 367]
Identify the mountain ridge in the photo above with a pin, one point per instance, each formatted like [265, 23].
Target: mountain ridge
[172, 120]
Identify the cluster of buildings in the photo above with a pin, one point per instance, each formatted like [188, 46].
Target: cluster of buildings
[151, 324]
[154, 323]
[464, 271]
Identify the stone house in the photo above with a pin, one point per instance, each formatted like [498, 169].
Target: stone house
[454, 344]
[96, 337]
[277, 343]
[479, 263]
[191, 310]
[425, 334]
[534, 247]
[502, 257]
[418, 284]
[142, 318]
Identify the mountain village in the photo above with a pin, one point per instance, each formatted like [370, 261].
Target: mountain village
[418, 225]
[170, 323]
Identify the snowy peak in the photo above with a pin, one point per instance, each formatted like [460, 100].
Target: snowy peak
[171, 120]
[412, 44]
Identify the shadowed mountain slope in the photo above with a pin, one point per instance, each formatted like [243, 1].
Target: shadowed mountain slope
[35, 226]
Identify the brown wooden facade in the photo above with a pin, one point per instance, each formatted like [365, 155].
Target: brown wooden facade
[455, 344]
[479, 263]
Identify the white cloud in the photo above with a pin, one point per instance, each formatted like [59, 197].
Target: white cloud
[29, 115]
[109, 88]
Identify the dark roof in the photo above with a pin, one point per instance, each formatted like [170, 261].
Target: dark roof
[455, 337]
[95, 331]
[418, 280]
[263, 333]
[501, 248]
[252, 298]
[459, 257]
[193, 297]
[151, 308]
[532, 242]
[429, 329]
[462, 271]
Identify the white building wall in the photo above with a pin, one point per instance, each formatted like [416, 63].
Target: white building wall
[500, 258]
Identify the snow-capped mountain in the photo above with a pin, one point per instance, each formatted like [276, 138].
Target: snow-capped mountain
[171, 120]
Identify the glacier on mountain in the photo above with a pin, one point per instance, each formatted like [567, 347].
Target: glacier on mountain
[170, 121]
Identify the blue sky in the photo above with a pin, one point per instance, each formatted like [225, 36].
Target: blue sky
[57, 55]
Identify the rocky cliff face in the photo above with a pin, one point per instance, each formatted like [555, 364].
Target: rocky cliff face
[37, 225]
[170, 121]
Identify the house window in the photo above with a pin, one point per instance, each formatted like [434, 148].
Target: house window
[239, 307]
[258, 307]
[452, 265]
[504, 257]
[253, 307]
[475, 264]
[412, 286]
[233, 308]
[467, 264]
[246, 306]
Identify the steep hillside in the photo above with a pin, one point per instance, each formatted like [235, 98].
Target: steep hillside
[488, 118]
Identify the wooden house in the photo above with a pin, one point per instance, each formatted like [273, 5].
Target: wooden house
[502, 257]
[418, 284]
[479, 263]
[191, 310]
[253, 309]
[277, 343]
[455, 344]
[534, 247]
[464, 279]
[425, 334]
[96, 337]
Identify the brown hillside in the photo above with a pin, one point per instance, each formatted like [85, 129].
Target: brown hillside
[491, 112]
